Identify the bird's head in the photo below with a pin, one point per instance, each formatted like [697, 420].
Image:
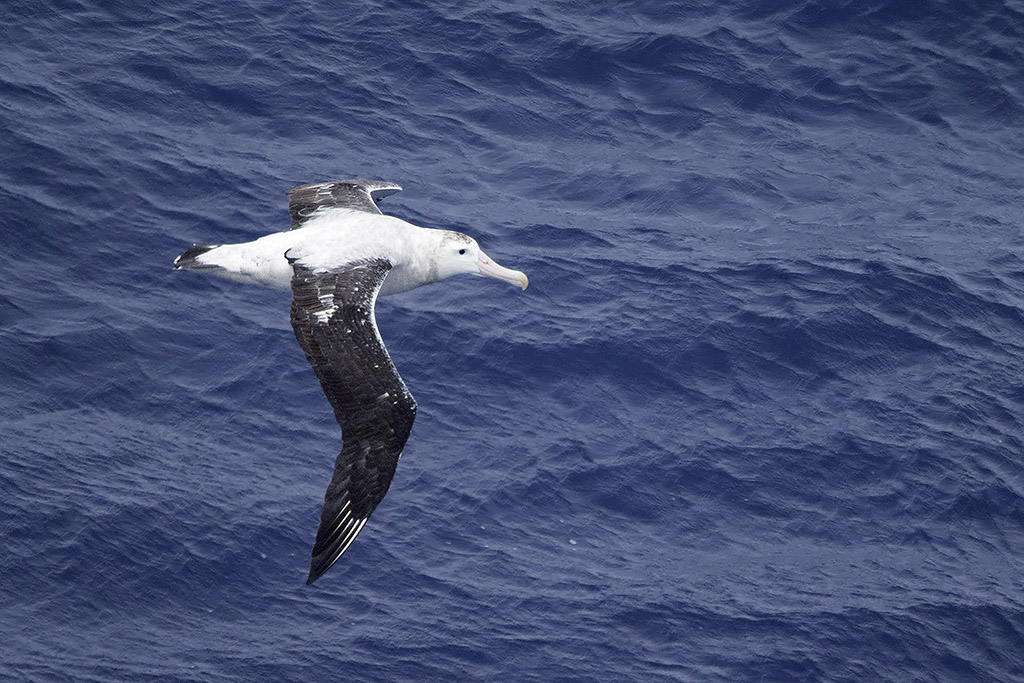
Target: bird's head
[459, 253]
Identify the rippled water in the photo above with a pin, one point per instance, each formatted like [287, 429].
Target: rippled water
[756, 418]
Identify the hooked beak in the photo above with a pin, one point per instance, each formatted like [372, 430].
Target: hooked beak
[489, 268]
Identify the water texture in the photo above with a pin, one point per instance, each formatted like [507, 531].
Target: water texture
[758, 417]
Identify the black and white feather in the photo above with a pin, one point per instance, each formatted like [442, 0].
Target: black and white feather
[309, 201]
[333, 318]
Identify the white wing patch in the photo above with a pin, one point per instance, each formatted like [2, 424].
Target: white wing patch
[326, 310]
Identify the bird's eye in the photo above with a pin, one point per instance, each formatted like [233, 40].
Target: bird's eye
[462, 251]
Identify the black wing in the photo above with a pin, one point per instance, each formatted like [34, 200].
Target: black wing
[332, 314]
[306, 200]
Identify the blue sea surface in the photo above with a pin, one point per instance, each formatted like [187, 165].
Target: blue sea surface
[757, 418]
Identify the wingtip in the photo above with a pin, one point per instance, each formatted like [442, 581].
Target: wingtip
[316, 571]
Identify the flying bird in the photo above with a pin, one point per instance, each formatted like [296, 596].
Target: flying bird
[340, 254]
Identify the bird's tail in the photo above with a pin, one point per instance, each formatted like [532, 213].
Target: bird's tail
[192, 259]
[240, 262]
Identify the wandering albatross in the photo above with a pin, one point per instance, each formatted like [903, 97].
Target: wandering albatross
[340, 254]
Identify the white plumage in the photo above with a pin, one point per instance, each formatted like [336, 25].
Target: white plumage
[341, 236]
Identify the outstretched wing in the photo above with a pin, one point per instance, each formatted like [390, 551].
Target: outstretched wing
[306, 201]
[332, 314]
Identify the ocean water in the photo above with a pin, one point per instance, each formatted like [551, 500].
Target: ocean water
[757, 418]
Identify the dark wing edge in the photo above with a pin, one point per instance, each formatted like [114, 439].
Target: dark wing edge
[332, 315]
[306, 201]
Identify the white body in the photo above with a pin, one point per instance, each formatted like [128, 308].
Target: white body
[338, 237]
